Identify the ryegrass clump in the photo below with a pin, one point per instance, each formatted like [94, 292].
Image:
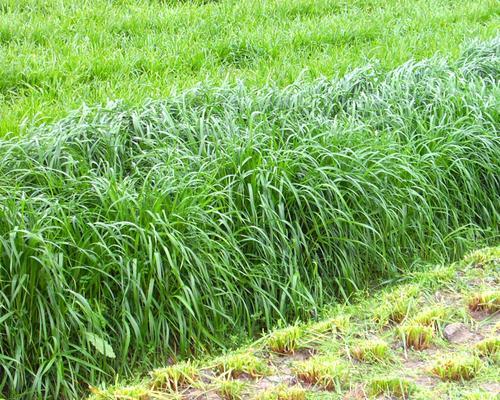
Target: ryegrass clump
[172, 226]
[323, 372]
[229, 389]
[370, 350]
[175, 377]
[432, 316]
[397, 305]
[236, 364]
[489, 347]
[138, 392]
[417, 337]
[337, 324]
[457, 368]
[391, 386]
[285, 341]
[283, 392]
[488, 301]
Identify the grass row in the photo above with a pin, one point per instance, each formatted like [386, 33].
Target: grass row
[56, 54]
[352, 354]
[129, 235]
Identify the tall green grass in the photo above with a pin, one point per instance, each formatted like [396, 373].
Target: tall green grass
[130, 234]
[57, 54]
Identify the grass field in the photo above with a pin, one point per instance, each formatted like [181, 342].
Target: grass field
[55, 54]
[361, 350]
[129, 235]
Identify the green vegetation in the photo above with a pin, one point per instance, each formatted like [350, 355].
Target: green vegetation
[128, 235]
[371, 350]
[323, 372]
[396, 387]
[447, 370]
[56, 54]
[457, 367]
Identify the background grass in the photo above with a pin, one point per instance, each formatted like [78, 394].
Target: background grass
[56, 54]
[128, 235]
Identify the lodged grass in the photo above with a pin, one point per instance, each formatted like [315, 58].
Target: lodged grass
[130, 234]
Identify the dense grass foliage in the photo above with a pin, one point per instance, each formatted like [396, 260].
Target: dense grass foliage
[138, 232]
[56, 54]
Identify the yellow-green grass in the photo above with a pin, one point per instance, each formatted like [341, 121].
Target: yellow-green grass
[391, 386]
[236, 364]
[282, 392]
[457, 367]
[285, 341]
[370, 350]
[415, 336]
[55, 55]
[323, 372]
[488, 301]
[175, 377]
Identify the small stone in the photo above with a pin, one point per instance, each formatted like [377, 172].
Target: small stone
[457, 333]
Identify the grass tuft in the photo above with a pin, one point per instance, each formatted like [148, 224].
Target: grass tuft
[486, 301]
[397, 305]
[391, 386]
[285, 341]
[433, 317]
[283, 392]
[175, 377]
[489, 347]
[417, 337]
[229, 389]
[323, 372]
[235, 365]
[370, 350]
[457, 368]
